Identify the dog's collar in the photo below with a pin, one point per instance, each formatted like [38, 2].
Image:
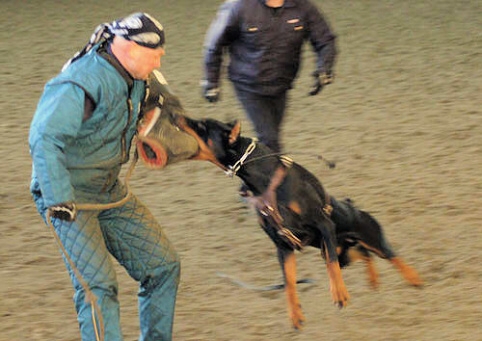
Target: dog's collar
[232, 170]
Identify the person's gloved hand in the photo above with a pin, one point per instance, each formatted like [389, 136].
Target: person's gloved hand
[64, 211]
[321, 79]
[210, 91]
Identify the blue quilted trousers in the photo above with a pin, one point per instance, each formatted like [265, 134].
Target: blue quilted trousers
[133, 237]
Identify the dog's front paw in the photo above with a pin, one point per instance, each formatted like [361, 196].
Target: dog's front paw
[340, 295]
[338, 290]
[297, 318]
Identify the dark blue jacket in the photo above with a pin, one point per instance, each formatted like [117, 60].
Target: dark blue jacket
[265, 44]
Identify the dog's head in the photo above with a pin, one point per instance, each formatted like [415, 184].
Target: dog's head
[215, 138]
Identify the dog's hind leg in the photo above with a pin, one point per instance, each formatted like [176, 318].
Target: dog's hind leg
[287, 261]
[373, 239]
[409, 273]
[360, 253]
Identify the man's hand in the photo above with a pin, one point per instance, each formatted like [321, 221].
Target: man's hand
[321, 79]
[210, 91]
[64, 211]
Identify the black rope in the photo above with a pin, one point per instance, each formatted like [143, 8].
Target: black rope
[262, 288]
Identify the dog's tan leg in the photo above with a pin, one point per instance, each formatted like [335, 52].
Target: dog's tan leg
[338, 290]
[407, 272]
[294, 307]
[372, 272]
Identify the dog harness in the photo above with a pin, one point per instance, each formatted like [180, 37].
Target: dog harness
[266, 203]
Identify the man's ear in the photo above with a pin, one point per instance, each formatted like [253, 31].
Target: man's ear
[235, 131]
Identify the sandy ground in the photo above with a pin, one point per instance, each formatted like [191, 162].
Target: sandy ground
[403, 122]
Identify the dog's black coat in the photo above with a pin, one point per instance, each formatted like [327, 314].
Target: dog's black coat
[344, 235]
[351, 224]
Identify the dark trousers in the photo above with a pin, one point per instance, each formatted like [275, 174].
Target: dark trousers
[266, 114]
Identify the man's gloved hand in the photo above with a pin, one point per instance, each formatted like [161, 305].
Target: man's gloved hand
[64, 211]
[321, 79]
[210, 91]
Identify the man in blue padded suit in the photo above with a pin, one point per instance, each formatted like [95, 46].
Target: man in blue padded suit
[80, 136]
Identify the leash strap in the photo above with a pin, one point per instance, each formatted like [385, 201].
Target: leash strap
[262, 288]
[267, 203]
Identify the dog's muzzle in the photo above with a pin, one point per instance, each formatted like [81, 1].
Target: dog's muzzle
[160, 142]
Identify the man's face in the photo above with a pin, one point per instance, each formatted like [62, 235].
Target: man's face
[144, 60]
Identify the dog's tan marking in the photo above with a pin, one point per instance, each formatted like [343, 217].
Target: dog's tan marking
[407, 272]
[235, 132]
[338, 290]
[294, 307]
[372, 249]
[372, 272]
[205, 153]
[295, 207]
[355, 255]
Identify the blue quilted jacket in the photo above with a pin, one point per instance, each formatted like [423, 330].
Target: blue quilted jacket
[77, 155]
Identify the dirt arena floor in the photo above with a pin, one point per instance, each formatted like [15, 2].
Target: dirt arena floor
[403, 121]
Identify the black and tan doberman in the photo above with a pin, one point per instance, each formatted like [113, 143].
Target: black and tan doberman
[295, 210]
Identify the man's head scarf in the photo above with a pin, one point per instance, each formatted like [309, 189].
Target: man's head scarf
[140, 28]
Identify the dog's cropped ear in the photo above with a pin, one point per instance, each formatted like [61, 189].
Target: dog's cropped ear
[235, 131]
